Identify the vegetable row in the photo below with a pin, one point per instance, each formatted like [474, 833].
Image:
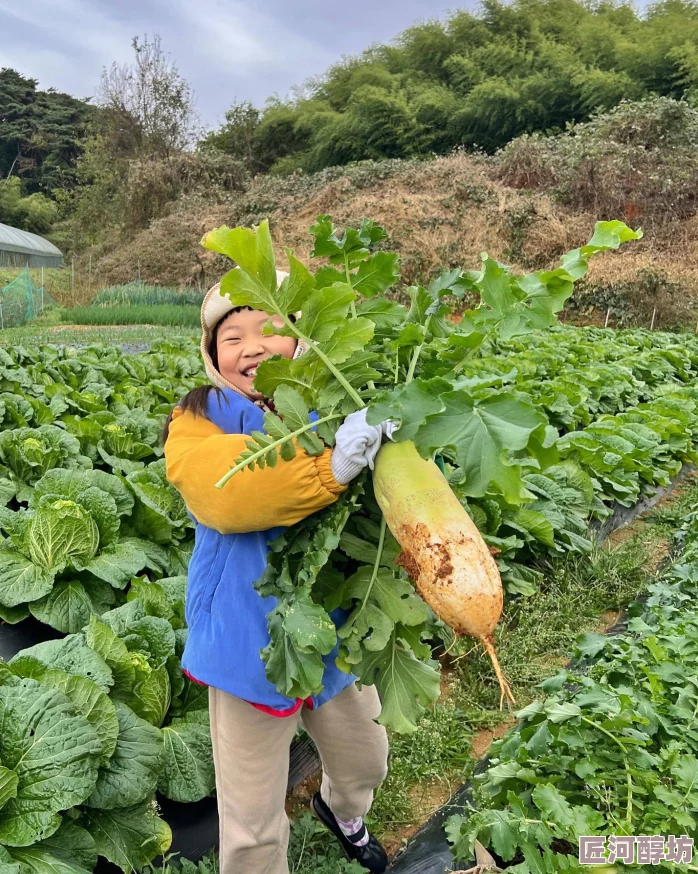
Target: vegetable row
[611, 747]
[96, 544]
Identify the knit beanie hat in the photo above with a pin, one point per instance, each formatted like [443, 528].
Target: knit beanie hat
[213, 308]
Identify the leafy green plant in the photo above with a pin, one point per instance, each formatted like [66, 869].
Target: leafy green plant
[366, 349]
[27, 453]
[587, 384]
[140, 294]
[610, 751]
[74, 534]
[146, 723]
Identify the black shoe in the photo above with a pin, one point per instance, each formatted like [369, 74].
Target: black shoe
[371, 856]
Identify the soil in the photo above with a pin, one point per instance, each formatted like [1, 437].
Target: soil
[426, 799]
[482, 739]
[298, 799]
[608, 620]
[658, 548]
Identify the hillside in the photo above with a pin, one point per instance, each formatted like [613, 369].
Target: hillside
[510, 128]
[442, 212]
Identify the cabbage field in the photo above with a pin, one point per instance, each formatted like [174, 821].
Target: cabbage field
[99, 721]
[89, 525]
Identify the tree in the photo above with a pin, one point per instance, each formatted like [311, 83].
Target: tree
[35, 213]
[237, 136]
[514, 67]
[131, 165]
[17, 95]
[41, 133]
[278, 134]
[148, 106]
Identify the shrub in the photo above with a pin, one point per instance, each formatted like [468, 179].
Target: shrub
[154, 184]
[634, 303]
[638, 162]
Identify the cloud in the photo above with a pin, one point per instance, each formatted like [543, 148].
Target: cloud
[238, 38]
[227, 49]
[63, 45]
[234, 50]
[75, 22]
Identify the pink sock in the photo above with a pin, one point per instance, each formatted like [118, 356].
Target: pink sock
[352, 827]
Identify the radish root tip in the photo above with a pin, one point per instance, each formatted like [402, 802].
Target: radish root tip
[506, 692]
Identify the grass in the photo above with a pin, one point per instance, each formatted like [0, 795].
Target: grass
[536, 633]
[669, 514]
[134, 314]
[55, 278]
[430, 763]
[136, 294]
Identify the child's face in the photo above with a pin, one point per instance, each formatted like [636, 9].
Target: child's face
[241, 346]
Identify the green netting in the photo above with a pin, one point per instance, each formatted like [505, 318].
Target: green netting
[21, 300]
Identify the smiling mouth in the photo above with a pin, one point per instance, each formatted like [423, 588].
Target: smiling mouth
[251, 371]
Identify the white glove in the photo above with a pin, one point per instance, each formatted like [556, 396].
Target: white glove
[356, 446]
[389, 428]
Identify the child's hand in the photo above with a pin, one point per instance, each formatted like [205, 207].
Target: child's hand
[356, 446]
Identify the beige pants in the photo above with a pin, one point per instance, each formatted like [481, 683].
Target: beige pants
[251, 757]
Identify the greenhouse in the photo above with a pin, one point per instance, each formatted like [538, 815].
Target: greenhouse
[22, 249]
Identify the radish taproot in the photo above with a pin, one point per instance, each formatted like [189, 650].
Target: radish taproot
[442, 550]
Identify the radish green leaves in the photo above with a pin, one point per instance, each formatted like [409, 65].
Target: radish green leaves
[364, 349]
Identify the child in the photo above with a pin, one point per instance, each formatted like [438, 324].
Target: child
[252, 724]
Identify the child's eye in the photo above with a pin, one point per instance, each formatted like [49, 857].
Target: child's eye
[232, 339]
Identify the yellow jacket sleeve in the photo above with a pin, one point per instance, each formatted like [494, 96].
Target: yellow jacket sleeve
[198, 453]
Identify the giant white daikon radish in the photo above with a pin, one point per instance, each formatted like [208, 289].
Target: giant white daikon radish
[442, 550]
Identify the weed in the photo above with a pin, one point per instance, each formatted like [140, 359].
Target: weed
[536, 632]
[438, 752]
[313, 850]
[172, 863]
[649, 297]
[668, 516]
[516, 224]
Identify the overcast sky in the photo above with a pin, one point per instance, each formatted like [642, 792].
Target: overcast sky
[225, 49]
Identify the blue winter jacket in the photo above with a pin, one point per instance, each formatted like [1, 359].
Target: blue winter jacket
[226, 616]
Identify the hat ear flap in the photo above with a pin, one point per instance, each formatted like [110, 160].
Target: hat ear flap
[301, 348]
